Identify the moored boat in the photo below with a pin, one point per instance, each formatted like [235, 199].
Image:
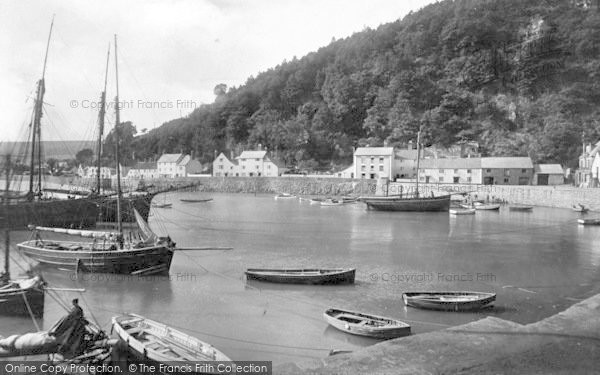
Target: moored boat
[156, 342]
[462, 211]
[332, 202]
[162, 205]
[199, 200]
[590, 221]
[487, 206]
[285, 196]
[448, 301]
[520, 207]
[579, 208]
[22, 297]
[366, 324]
[303, 276]
[419, 204]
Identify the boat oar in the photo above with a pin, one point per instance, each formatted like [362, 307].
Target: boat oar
[203, 248]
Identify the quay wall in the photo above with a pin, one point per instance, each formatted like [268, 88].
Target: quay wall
[562, 196]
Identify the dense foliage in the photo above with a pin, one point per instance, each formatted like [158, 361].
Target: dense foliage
[519, 77]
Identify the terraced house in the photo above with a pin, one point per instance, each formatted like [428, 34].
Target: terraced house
[486, 171]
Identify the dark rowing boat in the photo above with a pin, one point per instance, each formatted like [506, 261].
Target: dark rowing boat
[448, 301]
[303, 276]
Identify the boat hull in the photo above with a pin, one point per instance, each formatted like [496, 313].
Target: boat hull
[588, 221]
[448, 301]
[12, 300]
[68, 213]
[462, 211]
[487, 207]
[108, 208]
[345, 321]
[520, 208]
[424, 204]
[159, 343]
[155, 259]
[303, 276]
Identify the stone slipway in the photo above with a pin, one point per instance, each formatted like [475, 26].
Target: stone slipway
[566, 343]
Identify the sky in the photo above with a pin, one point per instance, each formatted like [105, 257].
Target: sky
[171, 54]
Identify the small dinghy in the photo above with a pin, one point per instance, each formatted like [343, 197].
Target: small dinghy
[366, 324]
[448, 301]
[579, 208]
[162, 205]
[487, 206]
[520, 207]
[463, 211]
[303, 276]
[332, 202]
[188, 200]
[157, 342]
[285, 196]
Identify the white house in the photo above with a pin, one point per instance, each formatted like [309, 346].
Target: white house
[177, 165]
[248, 164]
[373, 162]
[91, 172]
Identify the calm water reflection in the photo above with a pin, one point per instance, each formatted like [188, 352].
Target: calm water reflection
[538, 263]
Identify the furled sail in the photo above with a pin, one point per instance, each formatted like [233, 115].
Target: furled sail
[79, 232]
[147, 234]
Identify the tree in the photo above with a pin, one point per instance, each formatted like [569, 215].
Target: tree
[85, 157]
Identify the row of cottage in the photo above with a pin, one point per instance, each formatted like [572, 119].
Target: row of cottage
[398, 164]
[369, 163]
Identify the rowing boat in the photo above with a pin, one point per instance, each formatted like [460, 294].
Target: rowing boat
[156, 342]
[189, 200]
[463, 211]
[448, 301]
[520, 207]
[366, 324]
[303, 276]
[591, 221]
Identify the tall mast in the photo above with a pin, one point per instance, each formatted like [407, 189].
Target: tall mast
[418, 162]
[117, 140]
[5, 220]
[101, 114]
[37, 118]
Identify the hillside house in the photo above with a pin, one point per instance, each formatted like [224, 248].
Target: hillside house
[177, 165]
[248, 164]
[486, 171]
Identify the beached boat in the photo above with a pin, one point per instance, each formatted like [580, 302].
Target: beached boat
[316, 200]
[462, 211]
[520, 207]
[448, 301]
[487, 206]
[579, 208]
[110, 252]
[199, 200]
[285, 196]
[366, 324]
[156, 342]
[591, 221]
[303, 276]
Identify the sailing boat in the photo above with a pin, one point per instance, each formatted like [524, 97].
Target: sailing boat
[22, 296]
[409, 203]
[109, 252]
[32, 207]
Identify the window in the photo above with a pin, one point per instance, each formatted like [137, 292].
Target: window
[468, 179]
[250, 174]
[220, 167]
[488, 170]
[523, 170]
[441, 178]
[257, 159]
[507, 172]
[380, 160]
[440, 170]
[456, 181]
[363, 167]
[243, 167]
[362, 175]
[372, 159]
[257, 167]
[506, 180]
[363, 159]
[381, 168]
[468, 171]
[221, 160]
[268, 166]
[372, 167]
[456, 171]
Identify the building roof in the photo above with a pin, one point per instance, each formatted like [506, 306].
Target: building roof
[451, 163]
[406, 154]
[549, 169]
[170, 158]
[374, 151]
[145, 165]
[252, 155]
[185, 160]
[507, 162]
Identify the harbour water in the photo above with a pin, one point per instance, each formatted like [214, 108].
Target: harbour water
[538, 263]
